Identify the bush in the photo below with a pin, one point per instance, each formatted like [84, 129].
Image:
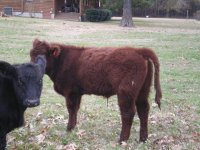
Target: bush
[97, 15]
[197, 15]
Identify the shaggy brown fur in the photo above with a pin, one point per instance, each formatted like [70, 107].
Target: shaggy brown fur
[105, 71]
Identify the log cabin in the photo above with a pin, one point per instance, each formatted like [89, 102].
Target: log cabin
[47, 9]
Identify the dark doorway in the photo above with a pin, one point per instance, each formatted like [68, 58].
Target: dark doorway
[59, 5]
[67, 9]
[70, 6]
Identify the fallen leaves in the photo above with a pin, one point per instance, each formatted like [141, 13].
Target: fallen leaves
[71, 146]
[40, 138]
[124, 144]
[175, 142]
[164, 140]
[81, 133]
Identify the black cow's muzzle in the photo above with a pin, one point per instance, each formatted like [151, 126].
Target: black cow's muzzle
[32, 102]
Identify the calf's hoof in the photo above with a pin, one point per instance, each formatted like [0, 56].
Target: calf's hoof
[70, 127]
[122, 141]
[143, 140]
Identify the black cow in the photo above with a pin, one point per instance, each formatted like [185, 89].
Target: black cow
[20, 87]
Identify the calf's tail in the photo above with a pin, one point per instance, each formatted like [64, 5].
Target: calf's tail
[148, 54]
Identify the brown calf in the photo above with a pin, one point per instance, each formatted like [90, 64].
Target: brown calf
[105, 71]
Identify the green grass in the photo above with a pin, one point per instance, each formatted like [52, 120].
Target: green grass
[176, 126]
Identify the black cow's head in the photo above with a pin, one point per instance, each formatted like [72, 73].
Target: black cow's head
[27, 80]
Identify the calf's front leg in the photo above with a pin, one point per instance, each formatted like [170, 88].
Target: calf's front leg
[73, 105]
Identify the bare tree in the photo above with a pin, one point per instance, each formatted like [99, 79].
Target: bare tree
[127, 14]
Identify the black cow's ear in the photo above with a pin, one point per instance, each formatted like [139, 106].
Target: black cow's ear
[41, 61]
[7, 70]
[55, 50]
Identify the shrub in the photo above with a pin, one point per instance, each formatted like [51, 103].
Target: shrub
[197, 15]
[97, 15]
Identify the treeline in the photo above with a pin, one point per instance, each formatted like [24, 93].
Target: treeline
[156, 8]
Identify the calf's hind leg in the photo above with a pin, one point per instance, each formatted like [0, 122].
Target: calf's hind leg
[127, 95]
[127, 107]
[127, 110]
[143, 112]
[142, 104]
[73, 105]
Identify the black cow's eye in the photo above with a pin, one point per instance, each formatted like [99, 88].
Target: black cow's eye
[40, 81]
[20, 82]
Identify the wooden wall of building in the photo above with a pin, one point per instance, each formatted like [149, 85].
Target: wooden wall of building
[15, 4]
[46, 7]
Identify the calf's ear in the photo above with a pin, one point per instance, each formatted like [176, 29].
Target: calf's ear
[55, 50]
[41, 61]
[7, 70]
[36, 42]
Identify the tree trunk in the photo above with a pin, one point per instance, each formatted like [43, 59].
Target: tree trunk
[127, 14]
[81, 5]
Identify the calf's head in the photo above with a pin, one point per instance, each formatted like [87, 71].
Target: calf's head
[50, 50]
[26, 79]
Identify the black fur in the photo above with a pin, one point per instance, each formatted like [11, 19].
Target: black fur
[20, 87]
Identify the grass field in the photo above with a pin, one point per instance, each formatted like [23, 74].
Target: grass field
[176, 126]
